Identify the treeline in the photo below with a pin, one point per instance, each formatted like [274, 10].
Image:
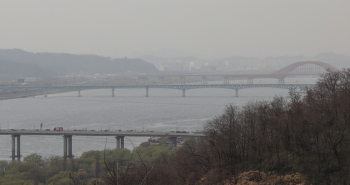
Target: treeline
[53, 64]
[88, 169]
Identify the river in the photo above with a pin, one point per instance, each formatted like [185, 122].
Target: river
[164, 109]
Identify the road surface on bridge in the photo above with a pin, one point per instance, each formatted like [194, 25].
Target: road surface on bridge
[101, 133]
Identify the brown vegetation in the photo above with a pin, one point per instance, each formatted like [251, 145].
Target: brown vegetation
[261, 178]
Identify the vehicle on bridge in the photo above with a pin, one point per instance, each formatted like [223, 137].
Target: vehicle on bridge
[58, 129]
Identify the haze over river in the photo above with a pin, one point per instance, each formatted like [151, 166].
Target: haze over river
[164, 110]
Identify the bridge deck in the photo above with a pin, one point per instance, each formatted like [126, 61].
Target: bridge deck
[101, 133]
[187, 86]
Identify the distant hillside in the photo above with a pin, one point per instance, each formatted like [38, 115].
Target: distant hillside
[51, 63]
[10, 70]
[337, 60]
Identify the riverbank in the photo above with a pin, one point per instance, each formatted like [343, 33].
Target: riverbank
[29, 93]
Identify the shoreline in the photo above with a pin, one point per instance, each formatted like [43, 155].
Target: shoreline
[29, 94]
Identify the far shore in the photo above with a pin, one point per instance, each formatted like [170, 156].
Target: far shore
[30, 93]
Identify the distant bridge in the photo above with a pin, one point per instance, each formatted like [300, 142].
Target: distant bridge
[182, 87]
[68, 141]
[305, 68]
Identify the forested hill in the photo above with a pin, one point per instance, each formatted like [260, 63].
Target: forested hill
[10, 70]
[64, 63]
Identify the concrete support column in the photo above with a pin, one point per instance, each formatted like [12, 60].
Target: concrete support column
[175, 142]
[26, 92]
[281, 81]
[65, 138]
[70, 147]
[118, 141]
[250, 81]
[19, 148]
[79, 95]
[112, 92]
[122, 141]
[146, 91]
[204, 80]
[13, 147]
[236, 92]
[45, 92]
[226, 80]
[183, 92]
[13, 154]
[64, 147]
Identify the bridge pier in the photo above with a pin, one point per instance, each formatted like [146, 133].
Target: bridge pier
[146, 91]
[173, 142]
[204, 80]
[120, 141]
[236, 92]
[79, 95]
[13, 156]
[250, 81]
[64, 152]
[226, 80]
[281, 81]
[112, 92]
[19, 148]
[45, 92]
[70, 147]
[13, 147]
[67, 146]
[26, 92]
[183, 92]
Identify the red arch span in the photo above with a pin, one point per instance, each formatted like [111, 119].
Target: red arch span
[285, 71]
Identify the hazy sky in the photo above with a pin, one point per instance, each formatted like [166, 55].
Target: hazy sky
[200, 27]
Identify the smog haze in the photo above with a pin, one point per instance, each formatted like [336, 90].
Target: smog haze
[206, 29]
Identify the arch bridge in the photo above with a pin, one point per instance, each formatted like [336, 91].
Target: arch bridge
[304, 68]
